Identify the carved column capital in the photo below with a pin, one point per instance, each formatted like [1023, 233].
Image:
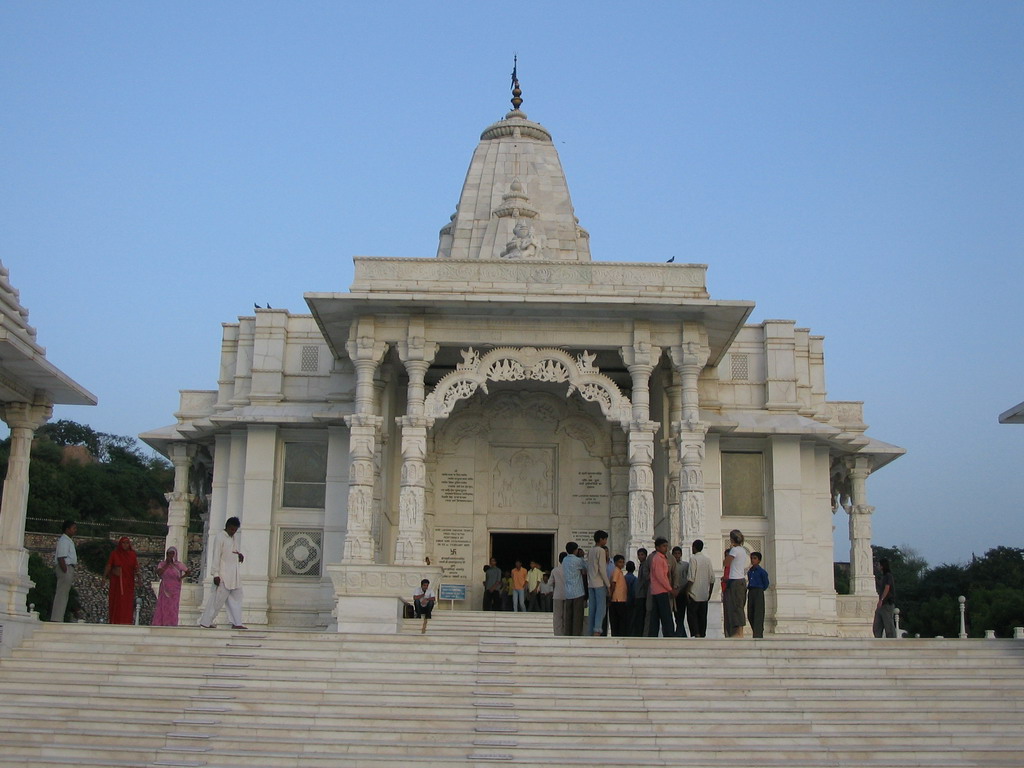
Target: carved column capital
[363, 420]
[30, 416]
[414, 422]
[181, 453]
[641, 356]
[366, 349]
[689, 354]
[858, 466]
[416, 349]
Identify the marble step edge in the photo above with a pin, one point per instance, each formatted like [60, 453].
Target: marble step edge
[630, 751]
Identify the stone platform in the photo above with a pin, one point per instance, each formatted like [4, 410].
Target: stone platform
[480, 689]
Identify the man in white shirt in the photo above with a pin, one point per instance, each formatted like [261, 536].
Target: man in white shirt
[65, 561]
[700, 581]
[423, 600]
[225, 565]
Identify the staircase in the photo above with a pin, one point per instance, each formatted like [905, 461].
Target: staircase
[483, 689]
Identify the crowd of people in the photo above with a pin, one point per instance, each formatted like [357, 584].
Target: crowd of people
[124, 578]
[588, 592]
[592, 593]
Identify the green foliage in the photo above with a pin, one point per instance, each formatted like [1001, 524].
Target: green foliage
[841, 578]
[928, 597]
[114, 478]
[1000, 608]
[94, 553]
[45, 585]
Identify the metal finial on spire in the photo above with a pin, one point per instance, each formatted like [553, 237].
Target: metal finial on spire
[516, 91]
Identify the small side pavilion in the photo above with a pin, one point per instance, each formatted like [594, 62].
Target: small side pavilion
[30, 385]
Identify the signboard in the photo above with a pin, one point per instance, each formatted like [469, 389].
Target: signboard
[453, 547]
[452, 592]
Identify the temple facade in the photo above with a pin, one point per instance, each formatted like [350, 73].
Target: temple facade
[506, 396]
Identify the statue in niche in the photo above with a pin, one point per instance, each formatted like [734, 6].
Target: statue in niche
[523, 244]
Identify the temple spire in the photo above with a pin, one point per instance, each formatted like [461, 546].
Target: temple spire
[517, 92]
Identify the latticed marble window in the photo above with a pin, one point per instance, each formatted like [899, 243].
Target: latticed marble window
[301, 552]
[310, 362]
[742, 484]
[305, 475]
[740, 366]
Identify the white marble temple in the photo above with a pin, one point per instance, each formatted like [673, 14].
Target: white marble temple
[512, 385]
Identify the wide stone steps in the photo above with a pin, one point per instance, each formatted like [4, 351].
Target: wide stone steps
[138, 696]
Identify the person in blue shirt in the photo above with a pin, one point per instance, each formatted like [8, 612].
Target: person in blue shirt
[757, 583]
[573, 570]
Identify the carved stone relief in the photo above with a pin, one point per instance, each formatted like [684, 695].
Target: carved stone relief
[523, 478]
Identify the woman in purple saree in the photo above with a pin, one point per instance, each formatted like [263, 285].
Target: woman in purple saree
[171, 573]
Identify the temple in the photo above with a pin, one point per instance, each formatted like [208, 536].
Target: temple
[506, 396]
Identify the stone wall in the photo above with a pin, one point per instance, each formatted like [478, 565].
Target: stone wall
[92, 587]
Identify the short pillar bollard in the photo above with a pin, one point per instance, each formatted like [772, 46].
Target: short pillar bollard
[1018, 633]
[963, 612]
[896, 619]
[990, 634]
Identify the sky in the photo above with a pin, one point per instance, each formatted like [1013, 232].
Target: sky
[856, 167]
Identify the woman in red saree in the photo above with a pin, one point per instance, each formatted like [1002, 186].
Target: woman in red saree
[171, 572]
[122, 571]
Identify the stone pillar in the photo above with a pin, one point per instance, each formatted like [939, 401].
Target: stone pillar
[672, 487]
[179, 499]
[335, 495]
[689, 360]
[257, 511]
[23, 419]
[428, 524]
[640, 359]
[862, 576]
[618, 471]
[364, 431]
[411, 544]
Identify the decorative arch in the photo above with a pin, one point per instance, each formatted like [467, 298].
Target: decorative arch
[544, 409]
[528, 364]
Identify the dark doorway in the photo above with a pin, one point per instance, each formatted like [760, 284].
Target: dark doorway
[506, 548]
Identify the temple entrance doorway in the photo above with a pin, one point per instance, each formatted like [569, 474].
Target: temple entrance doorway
[506, 548]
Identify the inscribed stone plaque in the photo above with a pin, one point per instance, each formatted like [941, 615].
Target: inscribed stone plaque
[590, 489]
[453, 548]
[456, 486]
[583, 536]
[523, 479]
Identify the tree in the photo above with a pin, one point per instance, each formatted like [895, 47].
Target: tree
[122, 481]
[928, 598]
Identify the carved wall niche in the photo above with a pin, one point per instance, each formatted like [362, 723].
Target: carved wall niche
[523, 478]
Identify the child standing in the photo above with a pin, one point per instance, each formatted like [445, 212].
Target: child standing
[757, 583]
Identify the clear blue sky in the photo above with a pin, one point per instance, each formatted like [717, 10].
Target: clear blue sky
[856, 167]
